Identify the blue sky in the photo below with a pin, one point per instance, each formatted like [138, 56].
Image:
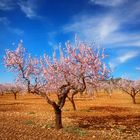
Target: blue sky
[43, 24]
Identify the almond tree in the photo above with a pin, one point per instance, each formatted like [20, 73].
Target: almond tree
[14, 89]
[76, 66]
[91, 90]
[107, 86]
[71, 72]
[20, 62]
[2, 89]
[130, 87]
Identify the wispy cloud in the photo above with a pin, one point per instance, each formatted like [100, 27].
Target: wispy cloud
[16, 31]
[112, 3]
[4, 21]
[92, 28]
[108, 28]
[7, 5]
[134, 43]
[28, 8]
[125, 57]
[121, 39]
[105, 29]
[138, 68]
[122, 58]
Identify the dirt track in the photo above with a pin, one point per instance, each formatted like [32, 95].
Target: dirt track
[31, 118]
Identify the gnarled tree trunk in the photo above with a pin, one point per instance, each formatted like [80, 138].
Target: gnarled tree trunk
[58, 117]
[63, 92]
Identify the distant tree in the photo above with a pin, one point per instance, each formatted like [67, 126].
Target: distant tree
[2, 89]
[91, 89]
[130, 87]
[107, 86]
[14, 88]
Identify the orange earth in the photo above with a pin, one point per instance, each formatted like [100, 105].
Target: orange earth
[102, 118]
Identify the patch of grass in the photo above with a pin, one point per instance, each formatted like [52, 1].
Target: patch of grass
[66, 109]
[31, 112]
[49, 125]
[75, 130]
[121, 129]
[86, 110]
[29, 122]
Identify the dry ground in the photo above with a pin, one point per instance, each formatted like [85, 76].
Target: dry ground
[102, 118]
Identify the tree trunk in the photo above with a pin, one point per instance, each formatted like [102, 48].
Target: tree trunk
[134, 99]
[58, 118]
[73, 103]
[28, 86]
[15, 96]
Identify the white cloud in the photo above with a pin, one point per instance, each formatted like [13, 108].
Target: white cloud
[107, 28]
[125, 57]
[112, 3]
[93, 28]
[4, 20]
[138, 68]
[122, 58]
[16, 30]
[28, 8]
[103, 29]
[134, 43]
[120, 39]
[7, 5]
[6, 23]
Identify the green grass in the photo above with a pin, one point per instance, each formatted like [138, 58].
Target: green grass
[86, 110]
[31, 112]
[75, 130]
[48, 125]
[29, 122]
[66, 109]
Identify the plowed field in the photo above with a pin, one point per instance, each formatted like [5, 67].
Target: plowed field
[102, 118]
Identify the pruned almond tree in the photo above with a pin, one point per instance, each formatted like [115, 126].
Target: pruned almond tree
[72, 72]
[2, 89]
[76, 66]
[130, 87]
[14, 88]
[107, 86]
